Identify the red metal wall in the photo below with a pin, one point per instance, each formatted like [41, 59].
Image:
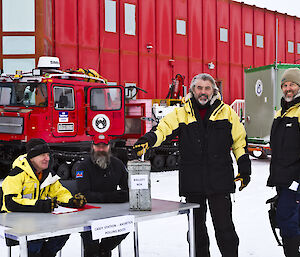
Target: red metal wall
[290, 36]
[297, 40]
[66, 31]
[195, 46]
[47, 28]
[235, 42]
[147, 56]
[164, 46]
[281, 37]
[80, 40]
[88, 33]
[129, 49]
[259, 30]
[270, 37]
[209, 35]
[180, 42]
[109, 48]
[223, 49]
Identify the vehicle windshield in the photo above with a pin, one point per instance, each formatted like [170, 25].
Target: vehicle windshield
[23, 94]
[108, 98]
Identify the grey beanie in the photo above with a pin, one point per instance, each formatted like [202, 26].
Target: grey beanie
[291, 75]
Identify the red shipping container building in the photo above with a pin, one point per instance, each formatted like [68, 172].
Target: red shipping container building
[147, 42]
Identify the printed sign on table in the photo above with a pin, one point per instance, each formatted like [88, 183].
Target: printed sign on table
[139, 182]
[112, 226]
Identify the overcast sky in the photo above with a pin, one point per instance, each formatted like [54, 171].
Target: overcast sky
[291, 7]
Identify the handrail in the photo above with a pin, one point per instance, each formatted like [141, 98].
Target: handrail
[239, 107]
[76, 76]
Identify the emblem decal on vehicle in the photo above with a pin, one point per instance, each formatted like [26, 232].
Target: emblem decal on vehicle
[258, 87]
[101, 123]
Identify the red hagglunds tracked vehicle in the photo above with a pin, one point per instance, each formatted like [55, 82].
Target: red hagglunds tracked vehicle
[65, 108]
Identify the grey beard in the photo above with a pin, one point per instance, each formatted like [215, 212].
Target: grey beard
[205, 101]
[292, 98]
[102, 159]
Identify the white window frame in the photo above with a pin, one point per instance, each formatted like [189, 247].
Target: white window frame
[11, 65]
[110, 16]
[223, 35]
[259, 41]
[298, 48]
[18, 15]
[129, 14]
[248, 39]
[180, 27]
[63, 90]
[290, 47]
[18, 44]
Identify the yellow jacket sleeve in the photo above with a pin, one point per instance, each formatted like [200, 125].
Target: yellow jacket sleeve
[238, 135]
[14, 185]
[57, 190]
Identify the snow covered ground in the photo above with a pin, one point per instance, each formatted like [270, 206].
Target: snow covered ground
[167, 237]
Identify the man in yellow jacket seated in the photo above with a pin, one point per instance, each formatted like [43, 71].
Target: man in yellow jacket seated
[32, 187]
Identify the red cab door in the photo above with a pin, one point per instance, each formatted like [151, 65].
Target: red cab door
[105, 110]
[64, 111]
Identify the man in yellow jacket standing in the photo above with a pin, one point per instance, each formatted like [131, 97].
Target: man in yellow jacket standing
[207, 130]
[32, 187]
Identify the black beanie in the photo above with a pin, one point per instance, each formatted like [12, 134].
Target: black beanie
[35, 147]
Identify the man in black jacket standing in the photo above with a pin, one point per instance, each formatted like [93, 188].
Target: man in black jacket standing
[285, 162]
[207, 130]
[98, 178]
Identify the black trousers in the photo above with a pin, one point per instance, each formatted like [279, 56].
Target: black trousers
[103, 248]
[221, 212]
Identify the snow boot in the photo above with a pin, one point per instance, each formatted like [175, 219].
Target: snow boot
[104, 253]
[92, 250]
[291, 246]
[46, 253]
[31, 254]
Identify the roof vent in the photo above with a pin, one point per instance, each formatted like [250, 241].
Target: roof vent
[48, 62]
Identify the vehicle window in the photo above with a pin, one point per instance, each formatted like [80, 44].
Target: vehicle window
[64, 98]
[5, 93]
[108, 98]
[23, 94]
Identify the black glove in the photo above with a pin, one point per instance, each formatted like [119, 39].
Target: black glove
[47, 205]
[244, 166]
[119, 196]
[54, 203]
[273, 200]
[141, 146]
[244, 178]
[77, 201]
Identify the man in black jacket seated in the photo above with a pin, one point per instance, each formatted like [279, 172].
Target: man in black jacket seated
[98, 178]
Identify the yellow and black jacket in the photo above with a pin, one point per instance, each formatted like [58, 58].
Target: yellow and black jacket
[285, 145]
[206, 165]
[23, 192]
